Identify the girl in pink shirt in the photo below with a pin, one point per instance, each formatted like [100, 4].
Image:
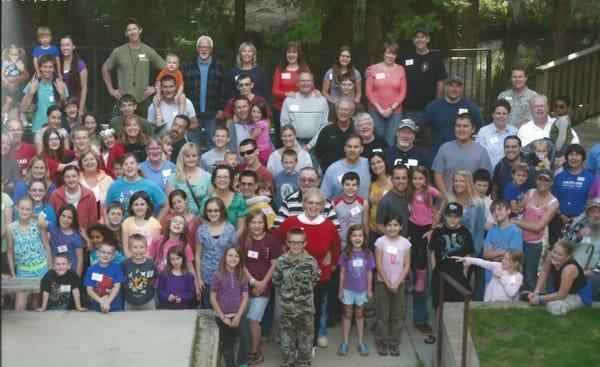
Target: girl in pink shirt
[260, 132]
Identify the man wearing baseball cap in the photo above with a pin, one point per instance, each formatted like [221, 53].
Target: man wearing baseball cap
[405, 151]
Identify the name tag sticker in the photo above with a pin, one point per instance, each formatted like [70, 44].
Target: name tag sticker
[377, 150]
[463, 110]
[253, 254]
[379, 76]
[392, 250]
[409, 62]
[340, 177]
[236, 77]
[331, 76]
[582, 179]
[286, 76]
[357, 263]
[150, 273]
[144, 231]
[51, 98]
[494, 140]
[294, 107]
[142, 56]
[62, 248]
[97, 277]
[166, 173]
[65, 288]
[413, 162]
[508, 98]
[355, 210]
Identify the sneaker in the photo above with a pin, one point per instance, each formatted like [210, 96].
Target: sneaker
[322, 342]
[343, 349]
[424, 328]
[420, 280]
[362, 349]
[312, 353]
[382, 348]
[394, 349]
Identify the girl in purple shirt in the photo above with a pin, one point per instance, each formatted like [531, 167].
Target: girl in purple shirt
[176, 285]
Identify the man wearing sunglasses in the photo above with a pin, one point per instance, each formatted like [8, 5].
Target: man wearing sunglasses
[249, 153]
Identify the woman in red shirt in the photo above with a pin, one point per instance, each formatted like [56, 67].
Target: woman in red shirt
[55, 154]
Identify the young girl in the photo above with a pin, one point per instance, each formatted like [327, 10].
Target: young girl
[229, 299]
[506, 279]
[27, 250]
[392, 256]
[176, 286]
[211, 239]
[261, 130]
[174, 235]
[140, 220]
[110, 149]
[423, 215]
[133, 138]
[98, 234]
[14, 74]
[72, 117]
[65, 237]
[90, 122]
[178, 205]
[356, 285]
[38, 191]
[167, 147]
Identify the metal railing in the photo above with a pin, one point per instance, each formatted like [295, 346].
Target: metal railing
[445, 278]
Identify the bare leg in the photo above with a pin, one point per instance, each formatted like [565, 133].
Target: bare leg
[347, 322]
[360, 322]
[21, 301]
[256, 334]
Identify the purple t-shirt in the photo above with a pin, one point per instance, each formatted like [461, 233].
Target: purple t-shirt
[357, 267]
[229, 291]
[67, 76]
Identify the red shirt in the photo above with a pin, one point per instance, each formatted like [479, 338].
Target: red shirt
[259, 256]
[283, 82]
[262, 172]
[23, 156]
[53, 165]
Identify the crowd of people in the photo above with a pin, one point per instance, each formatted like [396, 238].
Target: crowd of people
[339, 215]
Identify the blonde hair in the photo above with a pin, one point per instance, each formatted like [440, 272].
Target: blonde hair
[187, 148]
[173, 55]
[541, 143]
[238, 57]
[140, 138]
[313, 191]
[43, 31]
[470, 190]
[10, 48]
[516, 258]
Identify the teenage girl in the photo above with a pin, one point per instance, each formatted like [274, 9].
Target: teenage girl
[261, 130]
[176, 286]
[66, 238]
[140, 220]
[90, 122]
[178, 205]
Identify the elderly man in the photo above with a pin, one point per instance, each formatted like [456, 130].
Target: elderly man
[22, 151]
[405, 152]
[352, 161]
[205, 87]
[518, 97]
[329, 146]
[169, 107]
[502, 174]
[440, 114]
[541, 123]
[365, 128]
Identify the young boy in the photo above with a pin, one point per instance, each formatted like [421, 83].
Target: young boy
[561, 132]
[103, 281]
[127, 106]
[114, 217]
[171, 68]
[286, 181]
[116, 166]
[514, 190]
[139, 272]
[348, 90]
[44, 36]
[72, 118]
[349, 207]
[295, 275]
[483, 181]
[216, 155]
[60, 286]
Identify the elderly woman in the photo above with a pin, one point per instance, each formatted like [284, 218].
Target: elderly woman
[245, 63]
[386, 89]
[10, 167]
[36, 169]
[288, 139]
[364, 126]
[322, 243]
[72, 192]
[569, 283]
[156, 167]
[92, 177]
[190, 178]
[222, 187]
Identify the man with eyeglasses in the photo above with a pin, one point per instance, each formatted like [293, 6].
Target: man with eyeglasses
[249, 153]
[245, 86]
[502, 170]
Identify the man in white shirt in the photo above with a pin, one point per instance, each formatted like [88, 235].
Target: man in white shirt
[170, 107]
[540, 124]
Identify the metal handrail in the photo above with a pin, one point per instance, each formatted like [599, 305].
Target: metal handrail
[445, 278]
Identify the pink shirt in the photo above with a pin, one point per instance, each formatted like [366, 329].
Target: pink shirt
[503, 288]
[421, 213]
[263, 140]
[161, 259]
[386, 87]
[392, 256]
[534, 214]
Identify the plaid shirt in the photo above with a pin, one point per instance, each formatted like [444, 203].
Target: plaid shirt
[215, 88]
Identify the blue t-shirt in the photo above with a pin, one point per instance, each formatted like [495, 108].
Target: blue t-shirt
[571, 191]
[102, 280]
[285, 184]
[159, 177]
[509, 238]
[65, 243]
[45, 99]
[120, 192]
[513, 192]
[51, 50]
[45, 210]
[593, 160]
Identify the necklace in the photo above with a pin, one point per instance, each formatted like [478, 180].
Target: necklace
[134, 64]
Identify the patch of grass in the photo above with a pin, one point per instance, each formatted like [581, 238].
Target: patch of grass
[533, 337]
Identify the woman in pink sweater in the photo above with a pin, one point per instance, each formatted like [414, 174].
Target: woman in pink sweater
[386, 89]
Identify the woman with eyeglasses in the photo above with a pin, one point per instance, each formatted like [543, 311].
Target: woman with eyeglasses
[36, 169]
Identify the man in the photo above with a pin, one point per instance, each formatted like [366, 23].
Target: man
[405, 152]
[241, 127]
[540, 124]
[170, 107]
[332, 180]
[502, 174]
[329, 146]
[440, 114]
[425, 74]
[307, 113]
[210, 159]
[22, 151]
[132, 62]
[248, 187]
[492, 136]
[292, 204]
[205, 87]
[459, 154]
[365, 128]
[245, 86]
[395, 201]
[518, 97]
[249, 152]
[179, 128]
[128, 106]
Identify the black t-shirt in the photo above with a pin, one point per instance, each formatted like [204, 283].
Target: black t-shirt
[60, 289]
[138, 149]
[422, 74]
[137, 288]
[446, 242]
[379, 144]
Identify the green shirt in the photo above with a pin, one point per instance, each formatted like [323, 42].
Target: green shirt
[133, 68]
[117, 123]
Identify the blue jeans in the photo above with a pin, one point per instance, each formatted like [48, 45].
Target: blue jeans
[322, 330]
[531, 255]
[419, 300]
[205, 299]
[386, 126]
[209, 122]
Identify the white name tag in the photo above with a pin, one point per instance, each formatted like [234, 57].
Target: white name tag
[51, 98]
[330, 76]
[286, 76]
[463, 110]
[409, 62]
[582, 179]
[508, 98]
[253, 254]
[62, 248]
[141, 56]
[150, 273]
[377, 150]
[413, 162]
[97, 277]
[494, 140]
[65, 288]
[418, 197]
[294, 108]
[236, 77]
[144, 231]
[357, 263]
[166, 173]
[340, 177]
[391, 250]
[268, 211]
[379, 76]
[355, 210]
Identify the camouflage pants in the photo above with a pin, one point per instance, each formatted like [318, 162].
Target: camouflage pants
[296, 338]
[560, 308]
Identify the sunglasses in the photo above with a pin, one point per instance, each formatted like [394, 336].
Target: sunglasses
[248, 152]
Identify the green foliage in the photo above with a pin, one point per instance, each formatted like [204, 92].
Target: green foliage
[493, 14]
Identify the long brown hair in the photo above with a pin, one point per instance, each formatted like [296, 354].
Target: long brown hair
[293, 46]
[411, 193]
[253, 214]
[240, 269]
[59, 154]
[365, 245]
[336, 71]
[176, 250]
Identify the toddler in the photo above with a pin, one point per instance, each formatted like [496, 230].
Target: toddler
[44, 36]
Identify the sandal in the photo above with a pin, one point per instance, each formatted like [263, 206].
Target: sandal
[430, 339]
[394, 349]
[382, 348]
[254, 358]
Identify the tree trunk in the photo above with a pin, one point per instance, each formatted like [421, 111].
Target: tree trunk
[239, 22]
[373, 29]
[470, 25]
[337, 28]
[448, 36]
[559, 27]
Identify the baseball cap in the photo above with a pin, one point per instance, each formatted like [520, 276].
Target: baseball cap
[454, 79]
[409, 123]
[421, 29]
[454, 208]
[593, 203]
[544, 172]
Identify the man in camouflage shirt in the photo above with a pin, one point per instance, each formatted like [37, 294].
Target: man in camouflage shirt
[295, 276]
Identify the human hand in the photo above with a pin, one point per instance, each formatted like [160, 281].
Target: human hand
[105, 306]
[33, 86]
[317, 93]
[369, 294]
[327, 259]
[235, 322]
[428, 234]
[200, 284]
[60, 86]
[171, 298]
[177, 299]
[260, 286]
[341, 295]
[226, 321]
[116, 93]
[150, 90]
[459, 259]
[498, 273]
[40, 309]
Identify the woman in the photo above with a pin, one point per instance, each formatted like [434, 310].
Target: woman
[36, 169]
[133, 138]
[190, 178]
[110, 149]
[38, 191]
[491, 136]
[473, 219]
[331, 81]
[245, 63]
[288, 139]
[55, 154]
[540, 207]
[381, 183]
[364, 126]
[222, 183]
[178, 205]
[386, 89]
[72, 192]
[10, 167]
[74, 71]
[94, 178]
[285, 80]
[568, 282]
[571, 188]
[155, 167]
[322, 243]
[54, 120]
[263, 250]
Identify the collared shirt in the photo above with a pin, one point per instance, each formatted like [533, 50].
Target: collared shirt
[530, 131]
[519, 105]
[492, 140]
[203, 67]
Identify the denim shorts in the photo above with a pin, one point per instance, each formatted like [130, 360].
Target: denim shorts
[355, 298]
[257, 308]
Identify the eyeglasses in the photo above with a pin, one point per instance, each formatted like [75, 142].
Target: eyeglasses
[244, 84]
[222, 178]
[307, 179]
[248, 152]
[246, 183]
[213, 210]
[295, 243]
[313, 203]
[155, 149]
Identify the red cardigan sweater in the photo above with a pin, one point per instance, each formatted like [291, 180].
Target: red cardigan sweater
[87, 209]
